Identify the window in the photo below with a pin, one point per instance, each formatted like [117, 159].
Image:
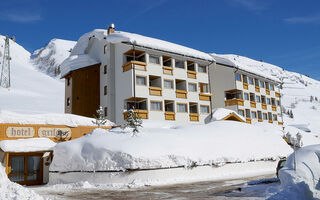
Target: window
[105, 111]
[271, 87]
[141, 80]
[68, 81]
[265, 116]
[105, 90]
[244, 78]
[179, 64]
[278, 103]
[258, 99]
[202, 68]
[261, 84]
[182, 107]
[238, 77]
[248, 113]
[241, 112]
[254, 114]
[192, 87]
[154, 59]
[259, 115]
[68, 101]
[204, 88]
[268, 101]
[251, 81]
[156, 105]
[168, 84]
[166, 61]
[105, 69]
[246, 96]
[275, 117]
[204, 109]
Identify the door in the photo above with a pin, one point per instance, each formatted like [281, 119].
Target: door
[26, 169]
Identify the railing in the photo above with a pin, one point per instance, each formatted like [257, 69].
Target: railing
[192, 74]
[277, 94]
[245, 86]
[267, 92]
[253, 104]
[156, 91]
[138, 66]
[232, 102]
[194, 116]
[260, 120]
[280, 123]
[248, 120]
[205, 97]
[270, 121]
[257, 89]
[143, 114]
[181, 94]
[274, 108]
[170, 115]
[264, 106]
[167, 70]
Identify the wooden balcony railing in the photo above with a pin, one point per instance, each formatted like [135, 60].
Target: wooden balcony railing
[267, 92]
[205, 97]
[248, 120]
[170, 115]
[156, 91]
[245, 86]
[270, 121]
[232, 102]
[260, 120]
[181, 94]
[143, 114]
[264, 106]
[257, 89]
[280, 123]
[253, 104]
[277, 94]
[167, 70]
[274, 108]
[136, 64]
[192, 74]
[194, 116]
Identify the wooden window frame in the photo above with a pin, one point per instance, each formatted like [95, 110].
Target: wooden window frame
[255, 114]
[192, 83]
[204, 106]
[242, 111]
[259, 99]
[248, 96]
[249, 81]
[153, 101]
[145, 78]
[266, 115]
[182, 104]
[170, 81]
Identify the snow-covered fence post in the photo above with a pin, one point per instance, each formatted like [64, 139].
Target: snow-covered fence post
[100, 119]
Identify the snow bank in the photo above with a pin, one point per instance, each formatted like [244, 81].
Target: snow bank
[27, 145]
[161, 145]
[10, 190]
[52, 119]
[302, 183]
[220, 113]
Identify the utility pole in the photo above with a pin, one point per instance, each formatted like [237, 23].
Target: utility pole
[5, 72]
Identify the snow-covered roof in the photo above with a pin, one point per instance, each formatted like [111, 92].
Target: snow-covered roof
[27, 145]
[50, 118]
[258, 68]
[79, 59]
[221, 113]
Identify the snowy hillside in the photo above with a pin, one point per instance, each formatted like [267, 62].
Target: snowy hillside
[297, 90]
[31, 91]
[49, 58]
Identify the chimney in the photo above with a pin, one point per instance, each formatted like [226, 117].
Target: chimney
[111, 29]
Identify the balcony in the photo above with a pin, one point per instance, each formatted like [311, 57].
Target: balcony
[143, 114]
[134, 64]
[155, 91]
[253, 104]
[257, 89]
[264, 106]
[170, 115]
[270, 121]
[181, 94]
[274, 108]
[277, 94]
[192, 74]
[232, 102]
[248, 120]
[245, 86]
[194, 116]
[205, 97]
[267, 91]
[280, 123]
[260, 120]
[167, 70]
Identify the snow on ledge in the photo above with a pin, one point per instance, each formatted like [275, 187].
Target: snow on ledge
[76, 62]
[27, 145]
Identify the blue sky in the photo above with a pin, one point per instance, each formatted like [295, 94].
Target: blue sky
[282, 32]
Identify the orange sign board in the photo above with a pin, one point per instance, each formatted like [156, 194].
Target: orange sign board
[48, 132]
[20, 132]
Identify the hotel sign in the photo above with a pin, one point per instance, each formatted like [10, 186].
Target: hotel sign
[20, 132]
[58, 133]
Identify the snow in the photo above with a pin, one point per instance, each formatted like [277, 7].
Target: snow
[49, 58]
[31, 91]
[48, 118]
[75, 62]
[302, 183]
[162, 145]
[10, 190]
[220, 113]
[27, 145]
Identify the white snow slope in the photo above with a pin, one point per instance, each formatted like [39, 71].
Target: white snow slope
[49, 58]
[31, 91]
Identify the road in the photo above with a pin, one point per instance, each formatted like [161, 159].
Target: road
[234, 189]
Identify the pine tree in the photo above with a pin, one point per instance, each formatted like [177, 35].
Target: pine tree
[291, 114]
[100, 119]
[133, 121]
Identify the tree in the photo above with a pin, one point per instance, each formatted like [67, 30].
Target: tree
[311, 98]
[133, 121]
[100, 119]
[316, 98]
[291, 114]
